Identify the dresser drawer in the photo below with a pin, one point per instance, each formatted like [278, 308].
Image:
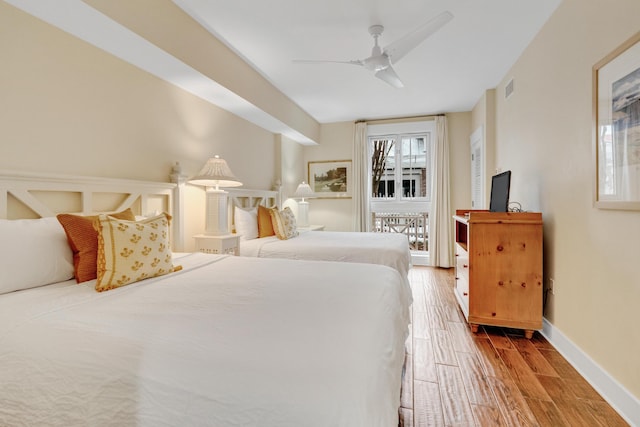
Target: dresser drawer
[462, 279]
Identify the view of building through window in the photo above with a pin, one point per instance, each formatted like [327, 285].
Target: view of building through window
[402, 166]
[401, 185]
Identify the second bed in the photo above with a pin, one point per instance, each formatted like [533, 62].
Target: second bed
[248, 207]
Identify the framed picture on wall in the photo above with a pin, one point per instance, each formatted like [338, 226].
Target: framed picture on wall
[331, 178]
[616, 105]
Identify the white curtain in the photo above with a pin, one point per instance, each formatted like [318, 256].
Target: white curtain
[361, 212]
[440, 232]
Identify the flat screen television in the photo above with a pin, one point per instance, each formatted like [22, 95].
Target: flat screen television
[500, 184]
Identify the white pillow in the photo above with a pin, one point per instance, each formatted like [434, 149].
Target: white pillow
[33, 252]
[246, 221]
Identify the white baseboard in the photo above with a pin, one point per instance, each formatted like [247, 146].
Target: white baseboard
[626, 404]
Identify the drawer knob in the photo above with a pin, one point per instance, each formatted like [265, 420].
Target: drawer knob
[465, 293]
[465, 266]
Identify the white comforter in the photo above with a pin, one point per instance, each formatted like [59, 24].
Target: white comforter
[390, 249]
[228, 341]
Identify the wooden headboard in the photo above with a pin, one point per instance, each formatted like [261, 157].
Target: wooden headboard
[34, 195]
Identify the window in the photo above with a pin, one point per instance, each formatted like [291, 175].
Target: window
[400, 182]
[400, 171]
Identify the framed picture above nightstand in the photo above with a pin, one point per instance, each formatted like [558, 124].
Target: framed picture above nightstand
[224, 244]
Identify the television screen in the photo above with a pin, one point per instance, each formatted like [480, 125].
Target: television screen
[500, 192]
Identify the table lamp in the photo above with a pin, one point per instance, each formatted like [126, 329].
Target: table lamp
[213, 175]
[303, 191]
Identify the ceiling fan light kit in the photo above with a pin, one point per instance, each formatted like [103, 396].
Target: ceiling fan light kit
[380, 61]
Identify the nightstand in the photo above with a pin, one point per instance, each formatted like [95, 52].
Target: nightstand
[224, 244]
[311, 228]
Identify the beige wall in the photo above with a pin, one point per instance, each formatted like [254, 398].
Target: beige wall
[544, 135]
[459, 160]
[70, 108]
[291, 167]
[336, 141]
[194, 45]
[484, 116]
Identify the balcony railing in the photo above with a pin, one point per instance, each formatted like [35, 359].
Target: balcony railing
[414, 225]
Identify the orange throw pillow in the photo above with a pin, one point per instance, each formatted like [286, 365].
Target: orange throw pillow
[83, 240]
[265, 226]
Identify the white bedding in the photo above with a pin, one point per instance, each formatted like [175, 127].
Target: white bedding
[228, 341]
[391, 249]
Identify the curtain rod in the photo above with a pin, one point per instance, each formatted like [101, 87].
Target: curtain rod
[400, 119]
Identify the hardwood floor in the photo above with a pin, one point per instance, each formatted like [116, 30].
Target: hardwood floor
[493, 378]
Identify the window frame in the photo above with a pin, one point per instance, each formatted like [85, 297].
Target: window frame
[398, 169]
[380, 131]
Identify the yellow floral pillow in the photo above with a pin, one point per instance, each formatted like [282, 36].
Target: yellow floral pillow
[130, 251]
[284, 223]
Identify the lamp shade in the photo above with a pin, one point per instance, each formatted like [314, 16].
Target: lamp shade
[303, 191]
[216, 173]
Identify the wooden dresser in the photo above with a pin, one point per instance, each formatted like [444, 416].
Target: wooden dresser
[499, 268]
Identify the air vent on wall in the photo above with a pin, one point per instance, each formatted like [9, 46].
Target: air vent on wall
[508, 90]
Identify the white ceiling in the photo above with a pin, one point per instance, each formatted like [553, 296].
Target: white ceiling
[446, 73]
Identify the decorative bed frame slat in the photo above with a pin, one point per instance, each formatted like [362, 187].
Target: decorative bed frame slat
[22, 186]
[246, 198]
[28, 200]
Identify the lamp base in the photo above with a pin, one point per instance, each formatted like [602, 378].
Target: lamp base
[216, 218]
[303, 214]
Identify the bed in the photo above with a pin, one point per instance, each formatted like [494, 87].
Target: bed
[220, 341]
[391, 249]
[372, 248]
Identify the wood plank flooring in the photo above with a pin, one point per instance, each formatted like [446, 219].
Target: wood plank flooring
[493, 378]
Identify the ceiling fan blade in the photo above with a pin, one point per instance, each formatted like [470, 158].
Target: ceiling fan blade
[389, 75]
[398, 49]
[312, 61]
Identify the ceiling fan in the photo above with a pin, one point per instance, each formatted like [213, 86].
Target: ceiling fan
[381, 60]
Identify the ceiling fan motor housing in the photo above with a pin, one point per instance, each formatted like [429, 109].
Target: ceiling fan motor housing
[376, 30]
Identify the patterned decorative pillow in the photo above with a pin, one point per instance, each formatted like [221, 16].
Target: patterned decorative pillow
[130, 251]
[265, 223]
[83, 240]
[284, 223]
